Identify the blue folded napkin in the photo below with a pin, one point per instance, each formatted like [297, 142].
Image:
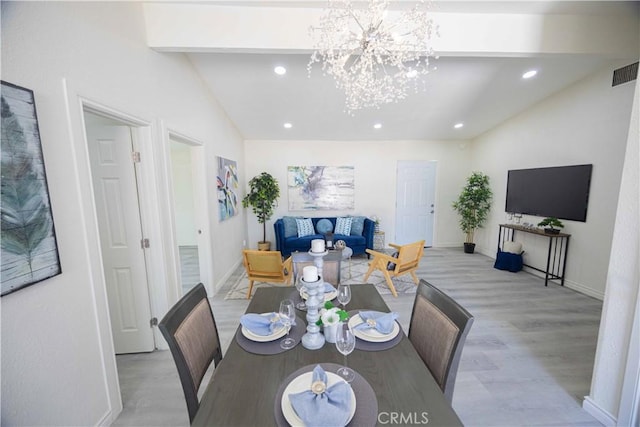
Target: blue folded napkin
[330, 407]
[261, 325]
[381, 322]
[328, 287]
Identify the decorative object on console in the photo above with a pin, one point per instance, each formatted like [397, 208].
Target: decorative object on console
[375, 55]
[340, 245]
[328, 239]
[473, 205]
[552, 225]
[320, 187]
[262, 197]
[29, 247]
[227, 180]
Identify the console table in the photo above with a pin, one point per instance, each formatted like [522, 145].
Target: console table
[556, 254]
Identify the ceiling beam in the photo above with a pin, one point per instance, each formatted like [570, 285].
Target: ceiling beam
[203, 27]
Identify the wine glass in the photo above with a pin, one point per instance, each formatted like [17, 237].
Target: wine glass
[344, 295]
[345, 343]
[302, 305]
[287, 314]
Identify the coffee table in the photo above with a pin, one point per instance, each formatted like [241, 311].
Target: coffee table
[330, 268]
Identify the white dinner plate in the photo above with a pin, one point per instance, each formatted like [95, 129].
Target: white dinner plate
[279, 333]
[302, 383]
[328, 296]
[371, 334]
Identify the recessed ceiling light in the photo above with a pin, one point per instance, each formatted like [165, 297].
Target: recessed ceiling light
[529, 74]
[458, 125]
[377, 126]
[288, 125]
[280, 70]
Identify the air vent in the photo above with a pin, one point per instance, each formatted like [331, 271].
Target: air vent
[625, 74]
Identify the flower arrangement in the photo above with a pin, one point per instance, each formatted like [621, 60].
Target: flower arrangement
[331, 315]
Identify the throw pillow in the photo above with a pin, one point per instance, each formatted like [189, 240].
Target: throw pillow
[305, 227]
[290, 226]
[512, 247]
[357, 226]
[324, 226]
[343, 225]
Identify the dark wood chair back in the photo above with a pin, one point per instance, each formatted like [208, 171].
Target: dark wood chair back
[438, 330]
[191, 332]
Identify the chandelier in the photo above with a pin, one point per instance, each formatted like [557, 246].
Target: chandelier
[375, 59]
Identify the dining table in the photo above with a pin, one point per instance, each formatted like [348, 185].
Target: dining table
[245, 386]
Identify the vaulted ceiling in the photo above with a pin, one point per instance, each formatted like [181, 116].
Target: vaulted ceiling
[484, 48]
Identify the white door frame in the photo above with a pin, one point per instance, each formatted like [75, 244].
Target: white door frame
[174, 290]
[150, 218]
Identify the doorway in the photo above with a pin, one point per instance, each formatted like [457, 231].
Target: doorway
[112, 148]
[187, 232]
[415, 201]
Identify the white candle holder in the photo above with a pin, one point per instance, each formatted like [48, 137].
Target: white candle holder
[313, 339]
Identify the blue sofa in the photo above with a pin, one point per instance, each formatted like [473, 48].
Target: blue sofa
[291, 243]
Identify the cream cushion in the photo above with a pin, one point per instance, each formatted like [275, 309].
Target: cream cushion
[512, 247]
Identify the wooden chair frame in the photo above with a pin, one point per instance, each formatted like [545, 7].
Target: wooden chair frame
[266, 266]
[407, 262]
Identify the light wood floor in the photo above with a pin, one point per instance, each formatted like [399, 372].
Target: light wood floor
[527, 361]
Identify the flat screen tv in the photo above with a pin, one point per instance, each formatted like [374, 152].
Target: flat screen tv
[561, 192]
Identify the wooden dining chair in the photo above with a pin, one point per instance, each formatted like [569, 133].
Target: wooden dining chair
[191, 332]
[266, 266]
[438, 330]
[405, 260]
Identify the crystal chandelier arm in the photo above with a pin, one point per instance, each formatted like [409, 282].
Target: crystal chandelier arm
[355, 18]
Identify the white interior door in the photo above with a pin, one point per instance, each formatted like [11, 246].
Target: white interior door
[116, 198]
[415, 202]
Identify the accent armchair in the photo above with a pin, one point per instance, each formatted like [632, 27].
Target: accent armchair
[266, 266]
[405, 260]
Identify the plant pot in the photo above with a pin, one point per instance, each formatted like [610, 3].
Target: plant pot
[469, 248]
[552, 231]
[264, 246]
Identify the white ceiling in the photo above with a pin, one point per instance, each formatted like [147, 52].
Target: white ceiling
[479, 91]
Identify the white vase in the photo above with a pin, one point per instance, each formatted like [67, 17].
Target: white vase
[330, 332]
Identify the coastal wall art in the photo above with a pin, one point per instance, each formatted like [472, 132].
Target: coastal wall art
[227, 188]
[29, 250]
[320, 187]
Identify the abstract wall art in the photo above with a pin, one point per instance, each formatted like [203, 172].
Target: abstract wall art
[320, 187]
[227, 188]
[28, 241]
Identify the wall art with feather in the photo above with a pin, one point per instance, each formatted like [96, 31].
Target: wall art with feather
[28, 241]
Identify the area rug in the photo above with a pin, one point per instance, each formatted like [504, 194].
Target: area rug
[351, 275]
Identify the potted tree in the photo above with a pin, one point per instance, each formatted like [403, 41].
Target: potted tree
[262, 197]
[473, 206]
[552, 225]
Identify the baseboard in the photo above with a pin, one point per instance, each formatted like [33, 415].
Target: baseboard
[598, 413]
[226, 277]
[599, 295]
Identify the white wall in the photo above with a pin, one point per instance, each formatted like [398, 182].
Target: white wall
[614, 364]
[58, 366]
[375, 178]
[586, 123]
